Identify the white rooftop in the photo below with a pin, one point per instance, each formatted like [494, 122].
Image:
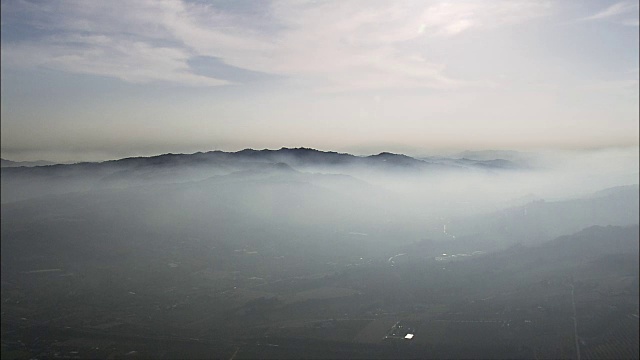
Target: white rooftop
[408, 336]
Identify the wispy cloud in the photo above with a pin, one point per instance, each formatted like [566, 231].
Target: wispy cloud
[341, 45]
[369, 44]
[625, 13]
[128, 60]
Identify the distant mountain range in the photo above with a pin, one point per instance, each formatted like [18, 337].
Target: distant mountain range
[9, 163]
[294, 157]
[22, 182]
[539, 220]
[493, 154]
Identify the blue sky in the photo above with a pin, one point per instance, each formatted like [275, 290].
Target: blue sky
[87, 80]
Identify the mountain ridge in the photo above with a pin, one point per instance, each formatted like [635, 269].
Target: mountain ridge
[291, 156]
[5, 163]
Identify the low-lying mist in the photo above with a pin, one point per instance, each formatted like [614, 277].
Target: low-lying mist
[390, 197]
[275, 253]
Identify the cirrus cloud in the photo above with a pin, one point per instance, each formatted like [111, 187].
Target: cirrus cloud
[334, 46]
[625, 13]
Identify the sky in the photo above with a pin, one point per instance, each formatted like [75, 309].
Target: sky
[95, 80]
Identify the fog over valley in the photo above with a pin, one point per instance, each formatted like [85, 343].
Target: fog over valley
[264, 241]
[304, 179]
